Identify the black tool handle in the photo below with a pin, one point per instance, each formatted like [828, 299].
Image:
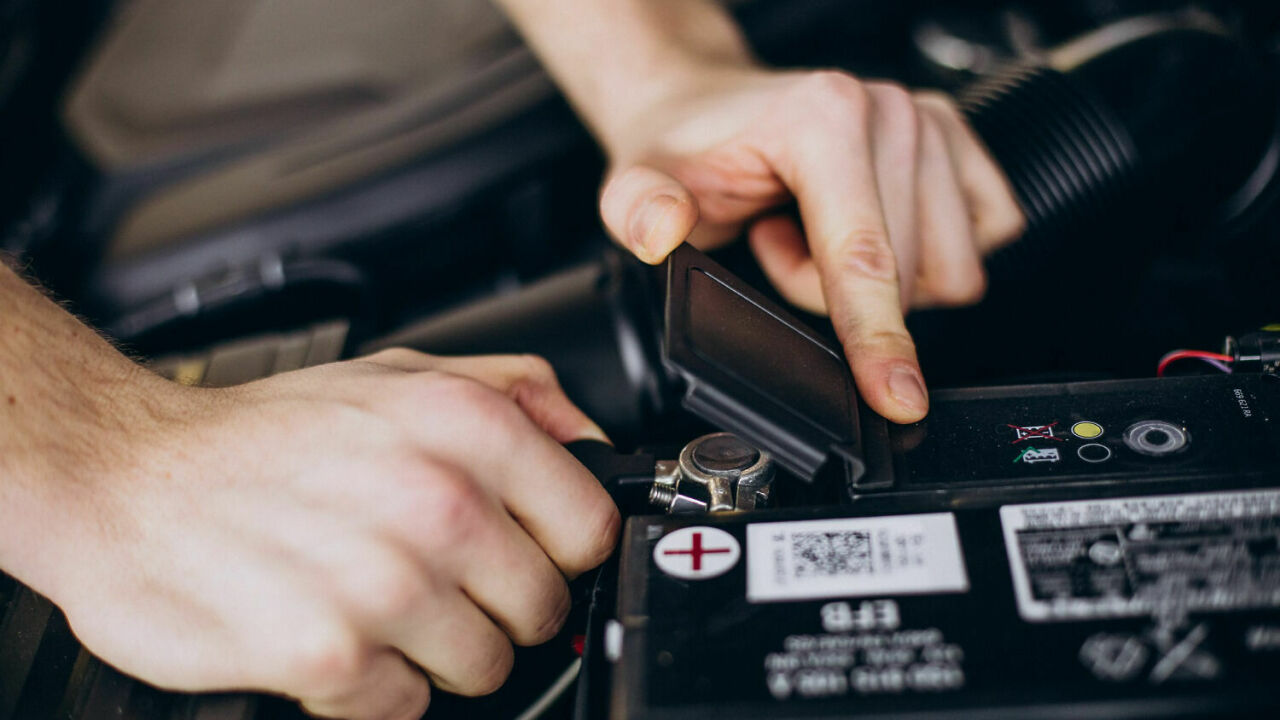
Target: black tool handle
[627, 477]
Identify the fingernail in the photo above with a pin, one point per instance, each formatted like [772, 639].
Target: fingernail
[647, 221]
[907, 388]
[594, 432]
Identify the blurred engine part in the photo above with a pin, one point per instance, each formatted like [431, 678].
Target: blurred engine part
[226, 110]
[595, 323]
[1165, 117]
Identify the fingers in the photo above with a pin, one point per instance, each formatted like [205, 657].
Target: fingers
[895, 142]
[458, 646]
[516, 584]
[495, 489]
[994, 212]
[334, 670]
[501, 449]
[448, 578]
[951, 271]
[648, 211]
[531, 382]
[387, 688]
[537, 480]
[491, 558]
[830, 169]
[783, 254]
[527, 379]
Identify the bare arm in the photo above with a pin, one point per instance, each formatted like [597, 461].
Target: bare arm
[618, 59]
[68, 400]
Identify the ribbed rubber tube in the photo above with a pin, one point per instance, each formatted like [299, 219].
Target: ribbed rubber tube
[1068, 158]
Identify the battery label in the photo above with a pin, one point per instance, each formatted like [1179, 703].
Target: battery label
[854, 557]
[1158, 555]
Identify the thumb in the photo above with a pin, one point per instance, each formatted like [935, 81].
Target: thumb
[648, 211]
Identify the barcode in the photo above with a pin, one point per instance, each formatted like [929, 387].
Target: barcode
[854, 557]
[830, 554]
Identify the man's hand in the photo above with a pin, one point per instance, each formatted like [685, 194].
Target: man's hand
[897, 199]
[329, 533]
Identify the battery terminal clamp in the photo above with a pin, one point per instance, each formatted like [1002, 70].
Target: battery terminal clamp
[715, 473]
[712, 474]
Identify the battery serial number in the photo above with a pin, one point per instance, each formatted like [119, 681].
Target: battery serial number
[1243, 401]
[921, 677]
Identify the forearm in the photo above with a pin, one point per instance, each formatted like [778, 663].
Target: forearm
[614, 58]
[67, 398]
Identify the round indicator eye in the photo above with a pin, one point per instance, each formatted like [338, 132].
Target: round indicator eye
[1094, 453]
[1086, 430]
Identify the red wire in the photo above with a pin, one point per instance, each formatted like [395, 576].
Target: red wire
[1177, 355]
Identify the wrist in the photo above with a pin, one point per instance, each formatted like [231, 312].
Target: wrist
[628, 123]
[617, 59]
[71, 467]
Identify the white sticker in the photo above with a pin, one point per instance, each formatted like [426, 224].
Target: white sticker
[854, 557]
[696, 553]
[1128, 557]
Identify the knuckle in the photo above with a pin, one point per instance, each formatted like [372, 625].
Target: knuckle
[902, 119]
[883, 342]
[600, 526]
[549, 615]
[896, 101]
[390, 590]
[493, 671]
[536, 376]
[446, 386]
[413, 702]
[327, 663]
[537, 368]
[964, 289]
[397, 356]
[841, 97]
[930, 132]
[455, 511]
[868, 254]
[939, 105]
[466, 399]
[1011, 224]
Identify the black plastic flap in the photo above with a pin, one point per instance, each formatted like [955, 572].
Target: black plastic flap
[752, 369]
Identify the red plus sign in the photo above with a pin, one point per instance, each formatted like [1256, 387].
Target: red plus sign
[697, 551]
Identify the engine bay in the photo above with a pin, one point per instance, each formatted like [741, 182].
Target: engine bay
[1085, 525]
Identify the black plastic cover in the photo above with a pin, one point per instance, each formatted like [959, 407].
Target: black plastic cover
[752, 369]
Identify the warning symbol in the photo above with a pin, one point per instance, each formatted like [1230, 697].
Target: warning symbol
[1170, 654]
[1038, 455]
[1182, 656]
[696, 553]
[1114, 657]
[1034, 432]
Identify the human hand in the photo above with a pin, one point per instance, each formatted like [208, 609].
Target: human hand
[898, 202]
[327, 532]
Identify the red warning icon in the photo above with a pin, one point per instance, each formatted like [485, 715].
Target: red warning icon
[1034, 432]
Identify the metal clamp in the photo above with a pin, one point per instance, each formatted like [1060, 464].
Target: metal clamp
[714, 473]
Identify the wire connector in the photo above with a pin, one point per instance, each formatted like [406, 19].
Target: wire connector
[1257, 352]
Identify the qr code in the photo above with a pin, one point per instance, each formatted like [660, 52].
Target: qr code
[816, 554]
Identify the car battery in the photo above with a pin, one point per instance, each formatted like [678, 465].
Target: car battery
[1097, 549]
[1155, 605]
